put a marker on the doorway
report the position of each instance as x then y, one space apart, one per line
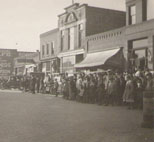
141 58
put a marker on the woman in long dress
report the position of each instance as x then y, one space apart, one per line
128 96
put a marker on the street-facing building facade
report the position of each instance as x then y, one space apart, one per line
27 63
104 50
78 22
84 31
6 62
48 52
140 34
136 39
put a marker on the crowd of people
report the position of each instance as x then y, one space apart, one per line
108 88
31 83
102 88
37 84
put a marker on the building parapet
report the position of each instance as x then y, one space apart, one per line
141 27
107 35
49 32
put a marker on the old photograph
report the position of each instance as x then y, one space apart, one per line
76 70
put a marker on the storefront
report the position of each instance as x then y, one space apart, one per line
139 54
69 59
68 63
30 69
108 59
50 67
140 46
46 67
55 65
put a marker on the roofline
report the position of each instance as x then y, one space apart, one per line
49 32
16 50
7 49
83 5
109 31
107 9
70 6
62 14
25 52
124 11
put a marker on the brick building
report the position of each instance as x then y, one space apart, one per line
140 33
6 62
49 50
104 50
28 61
78 22
136 38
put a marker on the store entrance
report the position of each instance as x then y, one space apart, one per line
141 58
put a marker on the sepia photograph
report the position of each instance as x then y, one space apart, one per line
76 70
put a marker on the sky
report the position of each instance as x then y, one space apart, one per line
22 21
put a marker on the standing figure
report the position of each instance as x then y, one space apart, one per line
56 85
38 84
112 90
92 90
100 90
128 96
33 83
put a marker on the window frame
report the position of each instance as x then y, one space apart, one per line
43 50
80 34
62 39
132 16
47 48
52 48
71 38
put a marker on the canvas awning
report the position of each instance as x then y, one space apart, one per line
30 66
109 57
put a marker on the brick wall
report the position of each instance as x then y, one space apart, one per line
102 20
106 40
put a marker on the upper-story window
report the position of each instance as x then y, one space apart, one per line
150 9
80 34
47 47
62 40
43 50
71 38
52 48
132 14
